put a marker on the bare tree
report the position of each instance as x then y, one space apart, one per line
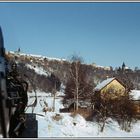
124 77
54 96
121 108
101 110
125 111
56 86
77 84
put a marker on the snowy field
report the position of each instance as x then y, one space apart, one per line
64 127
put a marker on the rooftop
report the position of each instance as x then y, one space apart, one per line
103 83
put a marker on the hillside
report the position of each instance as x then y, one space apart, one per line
41 72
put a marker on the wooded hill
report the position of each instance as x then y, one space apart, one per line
43 73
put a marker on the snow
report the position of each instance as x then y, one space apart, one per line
79 121
103 83
60 93
70 125
38 70
73 126
43 97
37 56
135 94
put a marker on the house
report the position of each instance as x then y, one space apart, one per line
111 87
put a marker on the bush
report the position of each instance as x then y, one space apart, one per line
122 109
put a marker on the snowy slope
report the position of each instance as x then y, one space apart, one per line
48 127
37 56
38 70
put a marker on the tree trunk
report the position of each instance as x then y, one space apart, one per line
77 99
54 94
74 107
54 102
102 127
77 86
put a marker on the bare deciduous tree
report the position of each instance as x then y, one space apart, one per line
122 109
77 85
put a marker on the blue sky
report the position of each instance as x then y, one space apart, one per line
105 33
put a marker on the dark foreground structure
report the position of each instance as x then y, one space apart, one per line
31 127
14 122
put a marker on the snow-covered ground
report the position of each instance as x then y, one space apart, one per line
37 56
136 94
64 125
38 70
